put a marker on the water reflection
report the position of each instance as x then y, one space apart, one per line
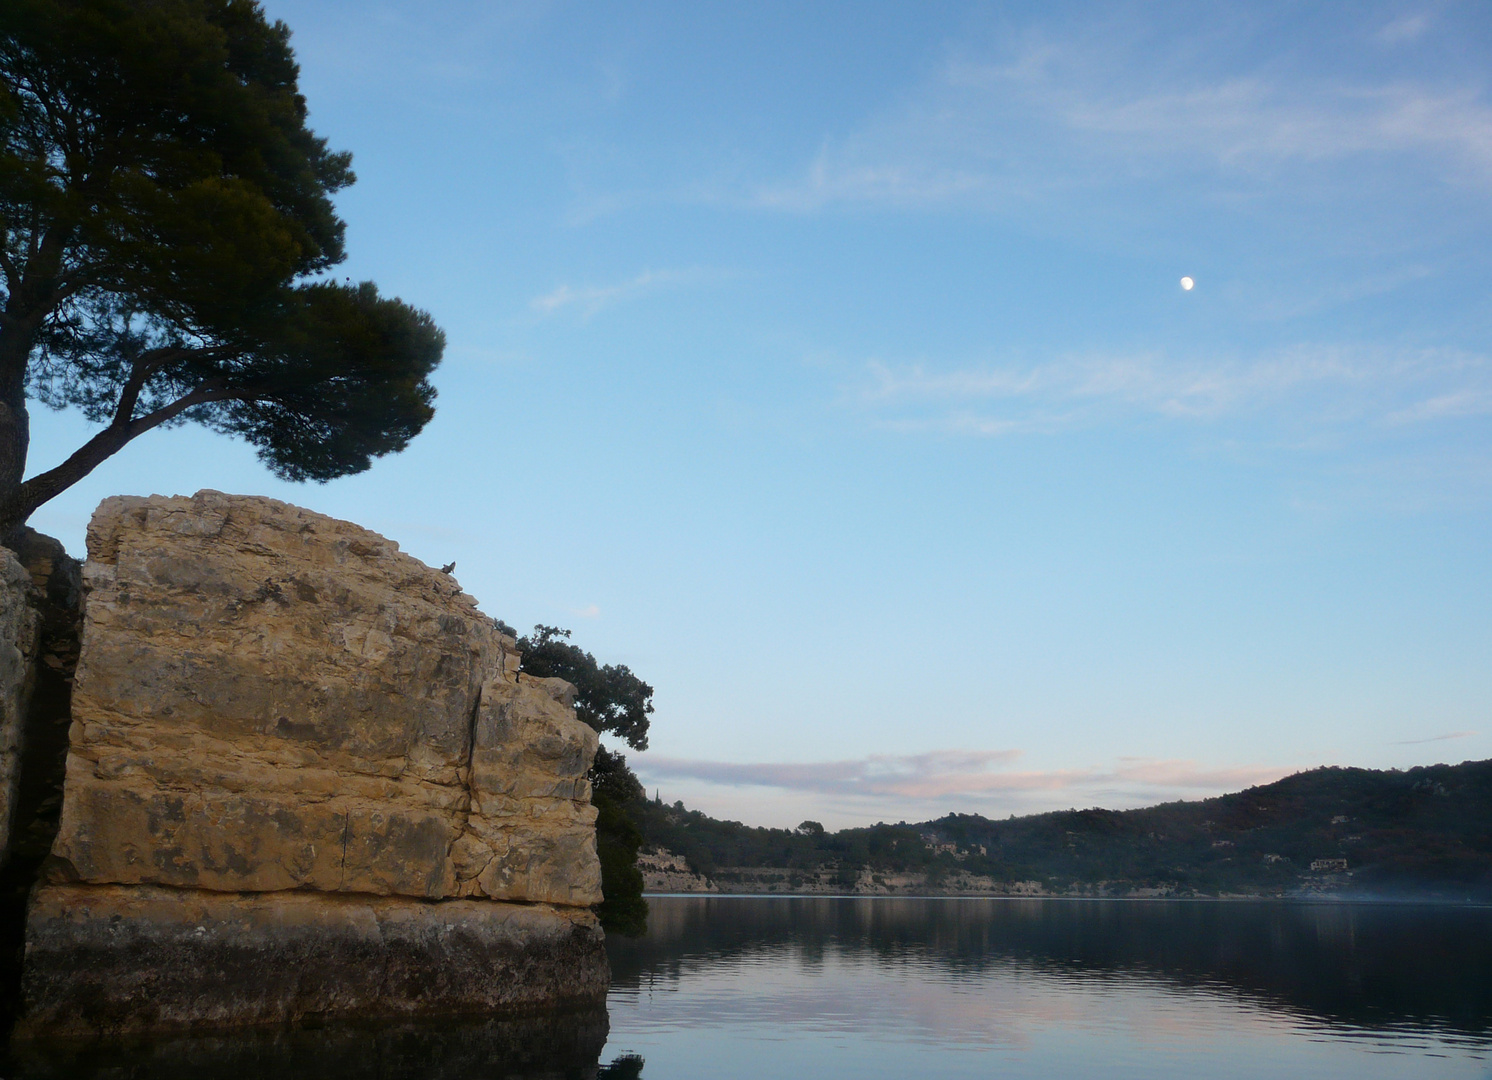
877 987
626 1067
1341 963
563 1047
866 988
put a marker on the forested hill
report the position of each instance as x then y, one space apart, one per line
1425 831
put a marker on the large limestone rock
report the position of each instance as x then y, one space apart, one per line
271 699
268 700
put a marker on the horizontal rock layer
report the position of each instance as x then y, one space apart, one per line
106 960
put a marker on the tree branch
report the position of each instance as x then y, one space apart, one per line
141 370
205 394
7 264
150 362
18 505
66 289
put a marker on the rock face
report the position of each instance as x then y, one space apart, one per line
107 958
39 604
271 700
665 872
20 631
536 1046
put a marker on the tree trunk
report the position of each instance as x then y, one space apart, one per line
33 295
17 503
15 439
15 421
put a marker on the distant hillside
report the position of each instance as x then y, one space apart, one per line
1422 832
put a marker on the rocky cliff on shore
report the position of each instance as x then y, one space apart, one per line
20 634
40 605
304 779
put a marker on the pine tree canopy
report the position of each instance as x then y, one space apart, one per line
166 228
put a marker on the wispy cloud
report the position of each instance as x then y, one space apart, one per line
838 177
1255 121
916 776
1438 738
1059 116
1469 401
590 299
1320 384
1306 298
1406 28
590 611
962 776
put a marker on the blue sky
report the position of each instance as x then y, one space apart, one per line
828 364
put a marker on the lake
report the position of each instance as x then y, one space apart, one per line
891 987
940 988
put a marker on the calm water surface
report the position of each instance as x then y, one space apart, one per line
806 986
862 988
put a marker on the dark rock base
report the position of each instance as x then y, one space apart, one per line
116 959
556 1046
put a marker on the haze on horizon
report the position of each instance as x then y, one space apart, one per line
830 366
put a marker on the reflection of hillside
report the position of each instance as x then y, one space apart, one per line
1367 965
530 1048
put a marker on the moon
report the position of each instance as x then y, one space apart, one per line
1186 284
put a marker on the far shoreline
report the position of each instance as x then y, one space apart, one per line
1406 901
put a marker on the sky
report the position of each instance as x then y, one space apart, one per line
828 365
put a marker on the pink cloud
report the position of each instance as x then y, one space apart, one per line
972 775
1439 738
